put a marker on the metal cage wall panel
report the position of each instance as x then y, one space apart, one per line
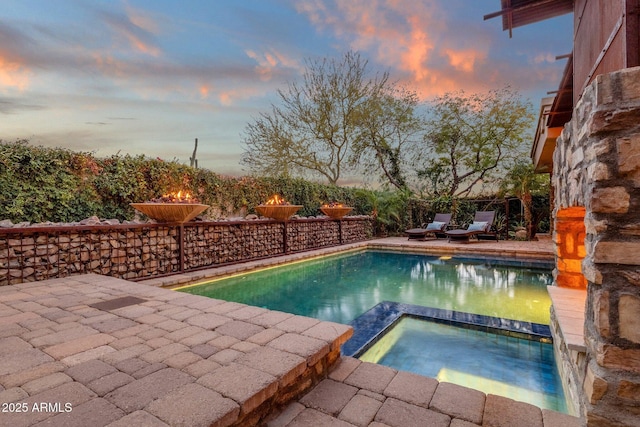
139 251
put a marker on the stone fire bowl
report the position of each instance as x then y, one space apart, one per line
336 212
279 212
170 212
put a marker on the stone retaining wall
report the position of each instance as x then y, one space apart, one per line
138 251
597 166
571 365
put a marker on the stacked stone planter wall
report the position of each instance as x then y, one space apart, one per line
139 251
597 166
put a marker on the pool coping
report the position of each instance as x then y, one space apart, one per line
374 323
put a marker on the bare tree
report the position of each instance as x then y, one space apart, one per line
313 128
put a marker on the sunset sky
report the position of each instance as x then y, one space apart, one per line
149 76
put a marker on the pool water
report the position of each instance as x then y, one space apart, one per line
512 367
341 288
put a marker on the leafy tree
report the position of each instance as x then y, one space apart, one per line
337 116
523 182
470 138
389 126
389 210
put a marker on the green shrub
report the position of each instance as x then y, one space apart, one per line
54 184
40 184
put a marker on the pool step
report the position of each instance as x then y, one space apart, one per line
365 394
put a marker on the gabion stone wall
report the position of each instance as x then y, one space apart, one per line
210 244
306 235
597 166
137 251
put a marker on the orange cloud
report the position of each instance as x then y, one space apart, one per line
109 65
418 47
544 57
228 97
141 19
13 74
142 46
137 28
204 91
464 60
269 61
411 38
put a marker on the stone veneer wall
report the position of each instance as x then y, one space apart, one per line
597 166
137 251
571 362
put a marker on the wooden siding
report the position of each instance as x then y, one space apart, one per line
605 39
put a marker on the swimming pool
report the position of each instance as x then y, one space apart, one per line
372 290
493 363
341 288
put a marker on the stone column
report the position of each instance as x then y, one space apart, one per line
597 165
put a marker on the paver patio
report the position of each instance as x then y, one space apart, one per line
72 355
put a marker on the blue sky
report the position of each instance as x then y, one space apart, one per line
149 76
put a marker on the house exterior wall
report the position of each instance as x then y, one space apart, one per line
597 167
605 39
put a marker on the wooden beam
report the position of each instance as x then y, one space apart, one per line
551 92
632 33
510 9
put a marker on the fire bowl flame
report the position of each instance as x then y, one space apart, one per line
335 210
279 212
277 208
170 212
174 207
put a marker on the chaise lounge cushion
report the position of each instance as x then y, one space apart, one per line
435 226
481 227
477 226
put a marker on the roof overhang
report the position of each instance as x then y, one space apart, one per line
544 142
555 112
516 13
562 108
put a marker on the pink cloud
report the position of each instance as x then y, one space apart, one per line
204 91
270 61
465 59
228 97
13 74
138 29
418 47
413 39
142 46
143 20
544 58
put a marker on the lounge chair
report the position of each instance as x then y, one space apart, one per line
435 228
481 227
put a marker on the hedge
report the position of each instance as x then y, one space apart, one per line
41 184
